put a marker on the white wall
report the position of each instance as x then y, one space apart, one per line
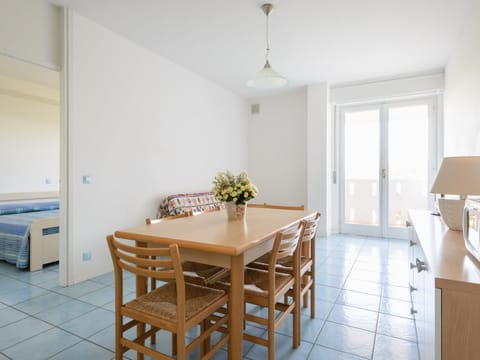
462 91
30 30
142 128
277 149
319 139
29 137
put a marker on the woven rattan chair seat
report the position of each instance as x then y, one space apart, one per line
256 282
161 302
286 262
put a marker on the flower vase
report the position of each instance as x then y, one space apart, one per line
236 211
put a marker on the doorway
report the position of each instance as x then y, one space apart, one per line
387 162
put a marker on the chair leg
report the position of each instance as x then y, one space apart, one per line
118 335
312 298
174 344
271 332
181 355
205 345
305 296
296 314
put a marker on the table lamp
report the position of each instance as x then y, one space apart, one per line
457 176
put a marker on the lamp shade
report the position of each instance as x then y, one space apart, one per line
267 78
458 176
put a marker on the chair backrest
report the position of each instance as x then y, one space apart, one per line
286 243
153 262
162 263
256 205
150 221
311 225
284 207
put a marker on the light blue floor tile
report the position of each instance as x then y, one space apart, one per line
20 295
84 350
367 287
80 289
322 309
9 315
397 327
323 353
395 307
52 284
65 312
326 293
310 328
99 297
111 305
106 279
18 331
355 317
394 349
330 280
8 285
41 303
106 337
366 275
396 292
331 269
90 323
36 277
42 345
283 349
347 339
357 299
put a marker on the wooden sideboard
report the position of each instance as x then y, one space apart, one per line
445 290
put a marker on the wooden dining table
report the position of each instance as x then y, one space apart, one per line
211 238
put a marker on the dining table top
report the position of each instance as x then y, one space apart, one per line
213 232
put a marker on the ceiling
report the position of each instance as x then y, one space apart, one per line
337 41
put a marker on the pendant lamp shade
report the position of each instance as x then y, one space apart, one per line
267 78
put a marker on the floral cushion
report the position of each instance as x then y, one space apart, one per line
180 203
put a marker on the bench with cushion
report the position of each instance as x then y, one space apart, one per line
178 204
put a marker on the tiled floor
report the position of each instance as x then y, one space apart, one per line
362 310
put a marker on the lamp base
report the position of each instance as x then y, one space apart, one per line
451 211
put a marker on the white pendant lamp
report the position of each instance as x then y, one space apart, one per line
267 78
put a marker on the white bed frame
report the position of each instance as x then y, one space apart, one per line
44 249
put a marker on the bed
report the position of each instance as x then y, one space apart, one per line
29 229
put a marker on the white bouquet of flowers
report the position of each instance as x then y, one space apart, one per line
237 189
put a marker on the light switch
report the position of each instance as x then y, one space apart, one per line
87 179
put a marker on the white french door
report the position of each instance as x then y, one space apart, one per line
387 160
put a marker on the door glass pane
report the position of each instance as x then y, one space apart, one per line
408 161
362 149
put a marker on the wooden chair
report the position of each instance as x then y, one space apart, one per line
305 273
267 288
193 272
281 207
176 306
284 207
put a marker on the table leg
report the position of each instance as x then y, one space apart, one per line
236 307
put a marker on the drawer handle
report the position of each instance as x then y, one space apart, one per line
412 243
408 223
420 265
412 289
413 311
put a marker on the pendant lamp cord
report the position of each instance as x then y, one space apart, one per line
267 50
